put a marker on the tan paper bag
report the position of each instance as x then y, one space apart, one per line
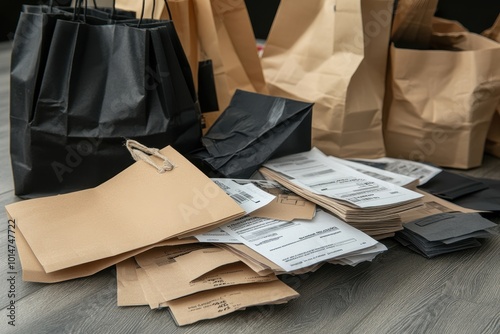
171 277
218 302
226 37
219 30
135 209
333 53
443 100
34 272
493 140
128 287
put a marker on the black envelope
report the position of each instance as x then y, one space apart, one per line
451 186
444 233
81 85
484 200
252 129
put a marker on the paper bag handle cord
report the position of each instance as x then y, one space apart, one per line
142 153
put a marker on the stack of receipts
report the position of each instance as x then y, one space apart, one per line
235 265
300 246
367 203
268 242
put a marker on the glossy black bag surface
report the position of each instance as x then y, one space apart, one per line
253 129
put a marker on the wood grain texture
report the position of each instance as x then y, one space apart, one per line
399 292
6 182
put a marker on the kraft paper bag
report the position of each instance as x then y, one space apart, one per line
34 272
226 37
443 100
333 53
149 202
218 302
128 286
493 139
219 30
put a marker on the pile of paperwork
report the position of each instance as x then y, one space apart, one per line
367 203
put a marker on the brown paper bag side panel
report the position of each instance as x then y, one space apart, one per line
143 205
129 291
215 303
315 55
442 103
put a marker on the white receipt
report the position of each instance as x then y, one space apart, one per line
248 196
300 243
410 168
317 173
217 235
381 174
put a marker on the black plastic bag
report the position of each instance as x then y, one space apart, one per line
78 89
253 129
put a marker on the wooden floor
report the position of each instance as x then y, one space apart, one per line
400 292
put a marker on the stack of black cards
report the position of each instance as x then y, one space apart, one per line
445 232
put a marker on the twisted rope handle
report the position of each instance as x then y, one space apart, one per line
141 152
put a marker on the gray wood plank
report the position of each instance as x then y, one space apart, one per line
6 182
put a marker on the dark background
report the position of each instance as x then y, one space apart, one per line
475 15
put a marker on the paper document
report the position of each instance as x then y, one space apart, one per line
367 254
381 174
410 168
317 173
248 196
286 206
217 236
298 244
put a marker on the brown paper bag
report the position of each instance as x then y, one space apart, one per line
226 37
333 53
128 287
34 272
135 209
218 302
170 273
443 100
493 140
219 30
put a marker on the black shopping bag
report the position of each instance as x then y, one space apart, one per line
207 94
97 81
251 130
